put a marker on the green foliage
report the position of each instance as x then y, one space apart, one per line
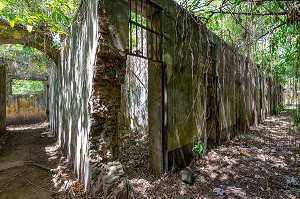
279 109
33 60
272 40
134 30
39 15
23 87
198 148
241 136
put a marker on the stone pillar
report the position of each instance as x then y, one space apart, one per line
155 97
155 116
2 99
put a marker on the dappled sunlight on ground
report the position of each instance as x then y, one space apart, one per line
52 151
33 127
41 172
262 163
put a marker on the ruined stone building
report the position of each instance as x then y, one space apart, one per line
197 87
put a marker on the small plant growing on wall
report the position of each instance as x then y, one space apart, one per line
241 136
198 148
279 109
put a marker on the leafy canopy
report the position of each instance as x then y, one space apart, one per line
27 60
25 87
40 15
267 31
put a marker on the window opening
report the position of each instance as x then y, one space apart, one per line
27 101
145 33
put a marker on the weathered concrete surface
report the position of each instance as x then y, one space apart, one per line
213 92
155 117
134 107
2 98
184 47
71 85
86 94
26 109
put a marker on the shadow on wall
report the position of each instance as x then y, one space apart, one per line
71 90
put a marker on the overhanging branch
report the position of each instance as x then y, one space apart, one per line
261 36
251 14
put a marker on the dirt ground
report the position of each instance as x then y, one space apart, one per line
32 166
261 163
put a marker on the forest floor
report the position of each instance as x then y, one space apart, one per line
261 163
31 165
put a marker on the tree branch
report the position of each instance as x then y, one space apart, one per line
261 36
249 13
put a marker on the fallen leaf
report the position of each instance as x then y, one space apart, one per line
245 154
182 192
12 23
77 186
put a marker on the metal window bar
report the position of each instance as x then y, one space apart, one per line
142 31
145 34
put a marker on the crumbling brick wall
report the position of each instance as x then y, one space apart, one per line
86 94
107 174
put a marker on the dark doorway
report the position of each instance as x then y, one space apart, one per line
144 92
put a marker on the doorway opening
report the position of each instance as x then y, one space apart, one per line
142 122
27 101
24 86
